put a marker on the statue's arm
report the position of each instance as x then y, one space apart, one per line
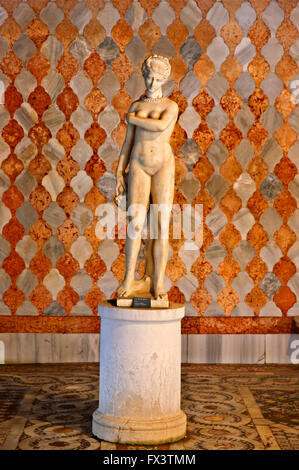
124 159
152 124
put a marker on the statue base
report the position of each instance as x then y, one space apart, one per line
140 375
142 302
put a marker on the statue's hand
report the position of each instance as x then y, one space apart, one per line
120 185
128 117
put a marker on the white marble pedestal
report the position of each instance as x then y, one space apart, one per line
140 376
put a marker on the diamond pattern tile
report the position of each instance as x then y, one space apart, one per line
70 71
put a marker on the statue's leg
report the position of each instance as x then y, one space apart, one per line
138 193
162 191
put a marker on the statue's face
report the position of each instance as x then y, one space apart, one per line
153 81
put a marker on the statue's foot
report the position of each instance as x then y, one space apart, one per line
160 295
125 289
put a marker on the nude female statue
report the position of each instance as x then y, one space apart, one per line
147 151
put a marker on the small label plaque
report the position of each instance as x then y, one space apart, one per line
141 302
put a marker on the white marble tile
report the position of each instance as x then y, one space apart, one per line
226 349
282 348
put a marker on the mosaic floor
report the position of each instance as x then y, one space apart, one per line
49 407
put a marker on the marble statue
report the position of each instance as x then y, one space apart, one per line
150 179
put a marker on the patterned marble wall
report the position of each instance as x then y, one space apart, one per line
70 70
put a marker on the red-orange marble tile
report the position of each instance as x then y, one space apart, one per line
203 197
91 236
67 101
228 269
257 136
231 102
177 33
40 297
38 5
67 298
203 169
121 102
13 265
13 198
123 68
258 69
68 266
204 69
177 5
285 136
93 297
232 5
259 34
67 66
175 268
180 100
285 103
12 166
39 100
94 32
201 269
40 232
67 233
95 67
13 298
39 66
286 69
284 299
149 33
95 136
149 5
284 238
95 102
95 168
284 269
201 300
257 269
11 65
231 170
178 68
10 31
257 169
13 231
227 299
257 237
12 133
285 170
287 34
68 200
285 205
203 136
67 5
232 34
230 237
68 136
122 5
177 139
39 167
38 32
66 32
40 199
204 33
40 265
231 136
39 134
231 69
10 5
256 299
122 33
13 99
203 103
287 5
94 197
95 267
257 204
67 168
205 6
118 267
230 204
258 102
118 134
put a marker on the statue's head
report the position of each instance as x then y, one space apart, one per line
155 70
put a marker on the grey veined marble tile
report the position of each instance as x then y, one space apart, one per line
81 250
82 85
108 16
245 85
164 47
217 86
109 85
246 16
217 52
271 119
294 188
270 284
244 119
243 221
5 215
190 51
108 284
245 52
190 186
81 309
191 15
53 249
216 221
189 120
135 16
271 187
190 86
54 215
81 152
25 82
107 184
218 16
243 253
270 253
216 187
80 16
214 284
244 187
24 48
52 15
109 119
54 282
26 116
136 51
5 281
242 284
272 51
5 248
27 282
272 86
80 50
82 217
108 50
27 249
273 15
27 215
23 15
163 16
53 118
25 182
271 153
52 49
271 221
217 120
215 254
217 154
54 309
190 153
81 283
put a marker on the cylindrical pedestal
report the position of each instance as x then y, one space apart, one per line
140 376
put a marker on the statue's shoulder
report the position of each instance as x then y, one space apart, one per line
173 105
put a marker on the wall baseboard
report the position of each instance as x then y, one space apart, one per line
31 348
